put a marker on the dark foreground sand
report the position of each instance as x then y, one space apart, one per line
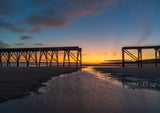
19 82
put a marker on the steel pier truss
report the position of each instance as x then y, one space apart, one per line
138 58
51 55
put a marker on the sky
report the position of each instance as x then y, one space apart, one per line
100 27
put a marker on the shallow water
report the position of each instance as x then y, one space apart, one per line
86 91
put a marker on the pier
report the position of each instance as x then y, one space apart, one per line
138 58
51 55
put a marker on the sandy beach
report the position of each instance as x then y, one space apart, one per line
19 82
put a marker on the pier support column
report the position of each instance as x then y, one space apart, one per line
64 58
52 55
159 54
0 59
78 52
57 58
27 55
46 56
66 52
81 57
27 63
68 57
8 59
17 55
123 63
139 57
35 55
40 57
156 57
17 63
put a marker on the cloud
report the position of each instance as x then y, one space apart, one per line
14 27
36 30
59 14
81 8
25 37
3 44
39 44
11 27
47 21
19 44
47 13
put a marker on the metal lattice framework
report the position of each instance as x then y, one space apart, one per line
138 58
35 54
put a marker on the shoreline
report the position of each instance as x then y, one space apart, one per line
19 82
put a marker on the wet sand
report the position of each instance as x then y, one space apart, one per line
19 82
86 91
147 71
147 77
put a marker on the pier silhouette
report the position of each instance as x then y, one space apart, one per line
36 54
138 58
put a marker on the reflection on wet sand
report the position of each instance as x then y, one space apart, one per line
86 91
135 78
